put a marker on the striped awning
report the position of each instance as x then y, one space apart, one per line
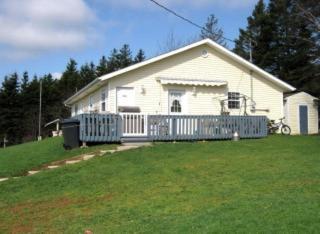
193 82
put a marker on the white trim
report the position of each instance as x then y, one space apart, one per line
90 103
105 91
208 42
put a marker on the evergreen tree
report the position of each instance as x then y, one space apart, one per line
25 81
10 110
285 44
69 84
125 56
140 56
31 109
213 31
256 37
88 73
102 68
70 80
114 61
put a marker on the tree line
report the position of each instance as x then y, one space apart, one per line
282 38
19 96
285 40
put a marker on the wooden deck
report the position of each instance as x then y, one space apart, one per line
115 127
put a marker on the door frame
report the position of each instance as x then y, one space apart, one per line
307 117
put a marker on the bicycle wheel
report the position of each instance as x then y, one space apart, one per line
286 130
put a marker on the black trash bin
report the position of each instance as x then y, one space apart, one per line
70 130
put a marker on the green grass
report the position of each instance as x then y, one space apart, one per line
17 160
270 185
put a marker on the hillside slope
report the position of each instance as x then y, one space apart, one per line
250 186
17 160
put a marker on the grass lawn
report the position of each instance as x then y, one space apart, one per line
17 160
267 185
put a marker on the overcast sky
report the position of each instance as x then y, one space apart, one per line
41 35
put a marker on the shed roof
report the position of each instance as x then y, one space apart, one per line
288 95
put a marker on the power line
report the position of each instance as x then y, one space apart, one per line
187 20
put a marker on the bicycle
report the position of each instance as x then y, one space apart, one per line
273 127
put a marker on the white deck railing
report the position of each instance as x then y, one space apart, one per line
134 124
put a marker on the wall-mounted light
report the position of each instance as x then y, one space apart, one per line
142 89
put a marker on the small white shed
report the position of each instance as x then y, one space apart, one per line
301 112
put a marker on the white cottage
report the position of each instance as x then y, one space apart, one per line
203 78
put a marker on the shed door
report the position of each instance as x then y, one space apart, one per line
303 115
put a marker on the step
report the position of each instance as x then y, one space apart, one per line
33 172
135 139
87 157
138 144
73 161
104 152
126 147
3 179
53 167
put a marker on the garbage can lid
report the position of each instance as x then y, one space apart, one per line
67 121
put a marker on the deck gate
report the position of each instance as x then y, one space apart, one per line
134 124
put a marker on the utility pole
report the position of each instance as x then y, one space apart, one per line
4 142
40 110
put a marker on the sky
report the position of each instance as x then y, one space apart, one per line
40 36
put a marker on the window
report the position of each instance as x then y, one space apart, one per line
103 102
76 109
176 106
233 100
80 108
91 103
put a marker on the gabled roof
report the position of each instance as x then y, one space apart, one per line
287 95
100 80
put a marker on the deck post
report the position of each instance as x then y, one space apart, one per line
174 127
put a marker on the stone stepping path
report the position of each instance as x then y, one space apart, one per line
81 158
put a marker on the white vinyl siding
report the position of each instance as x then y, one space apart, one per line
202 100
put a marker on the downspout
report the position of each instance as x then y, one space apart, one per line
252 102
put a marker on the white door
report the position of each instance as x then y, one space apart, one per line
125 97
177 102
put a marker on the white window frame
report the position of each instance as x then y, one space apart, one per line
76 109
183 102
234 100
90 104
105 100
80 108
